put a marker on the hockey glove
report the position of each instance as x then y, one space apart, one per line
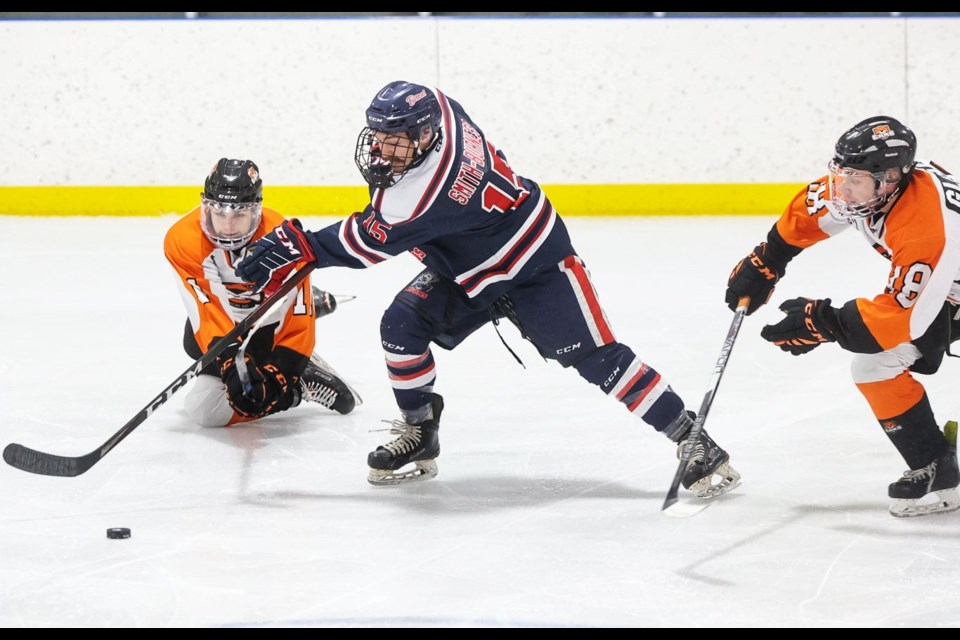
268 385
272 257
754 276
809 323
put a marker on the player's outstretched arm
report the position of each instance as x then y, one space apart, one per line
275 255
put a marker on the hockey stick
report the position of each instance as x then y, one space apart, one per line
328 305
48 464
694 434
240 360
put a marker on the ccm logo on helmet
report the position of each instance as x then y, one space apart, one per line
282 237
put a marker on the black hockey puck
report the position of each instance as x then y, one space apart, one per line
118 533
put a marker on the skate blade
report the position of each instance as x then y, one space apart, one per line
341 298
947 500
424 470
729 480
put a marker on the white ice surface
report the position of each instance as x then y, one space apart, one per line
546 511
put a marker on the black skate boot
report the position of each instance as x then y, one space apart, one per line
417 443
940 477
322 385
325 303
706 460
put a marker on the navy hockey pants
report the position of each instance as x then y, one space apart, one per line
557 310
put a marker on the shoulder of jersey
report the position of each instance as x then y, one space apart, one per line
186 236
920 201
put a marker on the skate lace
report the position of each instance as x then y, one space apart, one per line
696 455
923 474
409 437
318 392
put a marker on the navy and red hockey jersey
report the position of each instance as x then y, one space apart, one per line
463 212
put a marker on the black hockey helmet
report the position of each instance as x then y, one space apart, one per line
398 108
230 206
880 146
877 144
234 182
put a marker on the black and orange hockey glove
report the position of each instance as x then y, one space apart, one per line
755 276
809 323
268 384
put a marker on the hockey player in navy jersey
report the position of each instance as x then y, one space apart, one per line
493 247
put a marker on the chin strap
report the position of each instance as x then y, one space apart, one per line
421 154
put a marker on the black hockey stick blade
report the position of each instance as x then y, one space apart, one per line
670 502
27 459
48 464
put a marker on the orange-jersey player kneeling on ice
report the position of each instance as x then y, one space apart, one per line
909 212
282 371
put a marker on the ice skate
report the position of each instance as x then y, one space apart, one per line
708 463
325 303
939 478
321 384
417 444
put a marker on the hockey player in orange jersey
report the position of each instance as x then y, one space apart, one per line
203 247
908 211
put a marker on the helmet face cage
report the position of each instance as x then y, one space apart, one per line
873 162
230 226
399 108
855 193
368 155
230 205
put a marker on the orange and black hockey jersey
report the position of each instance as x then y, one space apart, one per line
216 299
920 236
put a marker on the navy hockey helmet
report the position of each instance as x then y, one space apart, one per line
398 108
404 107
873 162
230 206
